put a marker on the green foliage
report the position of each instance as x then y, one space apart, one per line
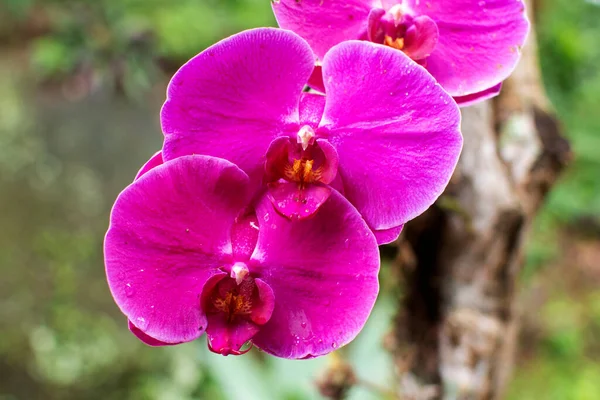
125 41
567 35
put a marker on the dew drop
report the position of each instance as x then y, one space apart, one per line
303 324
129 291
334 345
141 323
266 217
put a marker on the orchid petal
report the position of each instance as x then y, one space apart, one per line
387 236
244 234
479 41
323 272
315 81
234 98
396 132
149 340
311 109
465 101
154 161
169 232
421 38
324 23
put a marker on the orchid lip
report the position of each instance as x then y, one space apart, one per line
236 306
298 176
401 29
224 351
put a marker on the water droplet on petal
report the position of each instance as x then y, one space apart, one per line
141 323
303 324
129 291
334 345
266 217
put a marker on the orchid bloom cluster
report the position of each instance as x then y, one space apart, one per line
258 222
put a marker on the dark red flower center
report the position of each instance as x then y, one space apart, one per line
236 306
298 172
397 28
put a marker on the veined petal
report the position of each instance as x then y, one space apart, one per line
149 340
154 161
324 23
311 109
479 43
388 235
470 99
234 98
169 232
421 38
316 80
397 133
323 272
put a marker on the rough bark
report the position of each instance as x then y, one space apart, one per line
456 333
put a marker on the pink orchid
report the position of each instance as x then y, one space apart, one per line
469 46
386 135
185 255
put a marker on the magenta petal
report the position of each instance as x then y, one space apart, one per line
465 101
388 235
294 202
228 338
387 4
263 309
375 32
169 231
395 130
149 340
244 234
479 43
323 23
234 98
154 161
331 161
311 108
316 80
323 272
421 38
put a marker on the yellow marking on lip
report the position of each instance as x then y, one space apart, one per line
397 44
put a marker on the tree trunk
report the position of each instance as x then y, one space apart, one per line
457 331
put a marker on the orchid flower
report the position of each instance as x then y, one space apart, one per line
185 255
469 46
386 135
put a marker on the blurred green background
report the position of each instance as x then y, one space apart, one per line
81 83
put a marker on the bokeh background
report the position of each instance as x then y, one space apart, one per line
81 84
